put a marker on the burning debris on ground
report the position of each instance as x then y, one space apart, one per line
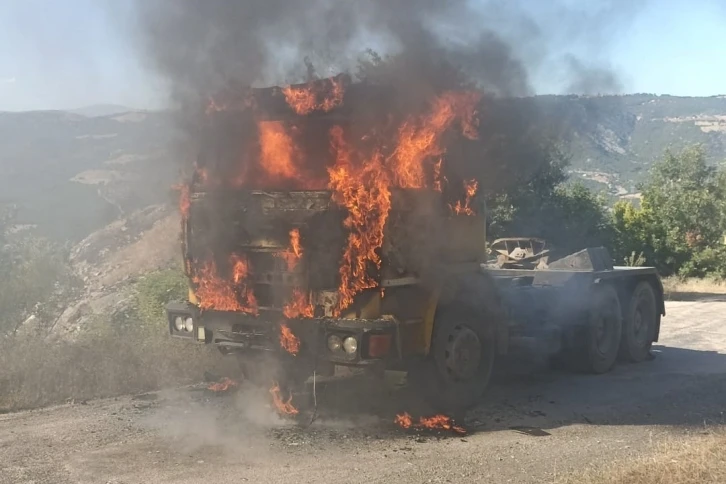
284 407
433 423
223 385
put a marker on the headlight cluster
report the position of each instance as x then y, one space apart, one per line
336 344
181 324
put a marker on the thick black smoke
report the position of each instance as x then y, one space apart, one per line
199 46
499 46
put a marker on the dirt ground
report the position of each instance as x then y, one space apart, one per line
535 425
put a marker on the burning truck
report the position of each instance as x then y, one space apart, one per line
323 230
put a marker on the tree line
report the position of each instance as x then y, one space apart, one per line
678 224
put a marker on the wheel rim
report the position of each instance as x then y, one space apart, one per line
462 353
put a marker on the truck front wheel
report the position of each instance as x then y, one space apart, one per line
639 323
459 366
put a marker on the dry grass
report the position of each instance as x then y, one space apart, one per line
690 460
679 288
103 362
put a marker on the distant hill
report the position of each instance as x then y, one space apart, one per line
72 173
614 139
101 110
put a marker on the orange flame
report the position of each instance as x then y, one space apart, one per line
443 422
440 422
278 152
223 385
365 192
220 294
304 99
419 139
185 201
295 243
293 255
404 420
239 269
470 188
288 340
285 407
364 189
299 306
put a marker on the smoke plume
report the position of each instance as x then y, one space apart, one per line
416 49
199 48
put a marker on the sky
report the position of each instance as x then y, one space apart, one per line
66 54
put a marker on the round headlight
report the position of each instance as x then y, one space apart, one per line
350 345
178 323
334 343
189 325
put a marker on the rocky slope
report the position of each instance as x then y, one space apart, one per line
614 139
110 259
70 174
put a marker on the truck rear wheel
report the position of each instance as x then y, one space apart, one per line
459 366
603 331
639 324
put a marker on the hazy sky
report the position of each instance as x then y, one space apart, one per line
57 54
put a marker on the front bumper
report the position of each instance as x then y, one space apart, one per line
377 340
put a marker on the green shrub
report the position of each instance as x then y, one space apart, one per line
107 359
35 280
154 290
679 225
128 352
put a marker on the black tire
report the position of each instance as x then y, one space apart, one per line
639 324
603 331
460 364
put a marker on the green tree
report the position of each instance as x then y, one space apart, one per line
153 291
680 224
567 215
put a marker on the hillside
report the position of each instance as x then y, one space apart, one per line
96 110
71 174
614 139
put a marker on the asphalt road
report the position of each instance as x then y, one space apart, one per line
534 425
